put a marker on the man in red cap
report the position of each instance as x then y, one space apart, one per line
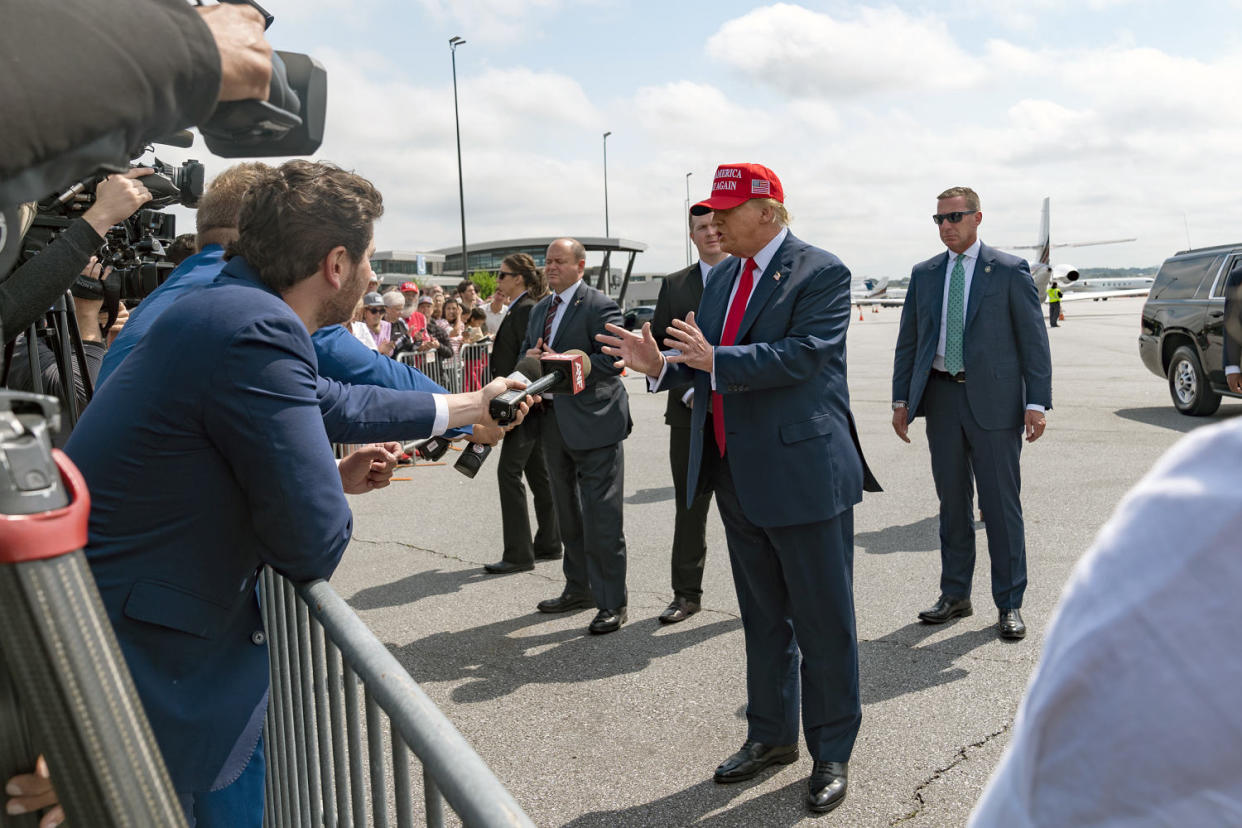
766 355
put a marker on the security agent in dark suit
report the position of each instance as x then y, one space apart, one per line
767 348
521 452
972 356
680 294
582 436
1232 329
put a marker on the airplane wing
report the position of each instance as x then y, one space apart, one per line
1068 244
1079 295
884 303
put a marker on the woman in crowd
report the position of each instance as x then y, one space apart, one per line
455 325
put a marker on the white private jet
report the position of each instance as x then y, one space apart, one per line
876 292
1073 286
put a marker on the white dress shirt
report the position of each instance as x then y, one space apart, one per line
567 296
1132 717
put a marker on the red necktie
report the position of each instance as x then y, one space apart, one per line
733 321
551 317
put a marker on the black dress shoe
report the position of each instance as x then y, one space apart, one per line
506 568
679 610
945 609
547 556
1011 625
752 758
607 621
828 783
565 602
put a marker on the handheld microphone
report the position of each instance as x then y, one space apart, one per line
561 373
432 448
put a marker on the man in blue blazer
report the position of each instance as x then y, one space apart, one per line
207 456
766 354
582 438
972 357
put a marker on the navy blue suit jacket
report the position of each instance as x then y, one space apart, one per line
792 447
1004 347
206 457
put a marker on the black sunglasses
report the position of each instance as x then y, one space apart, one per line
375 310
952 218
500 274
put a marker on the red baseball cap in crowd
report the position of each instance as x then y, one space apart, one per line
408 287
738 183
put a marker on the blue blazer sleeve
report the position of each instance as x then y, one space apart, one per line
1027 318
907 343
268 377
346 360
818 326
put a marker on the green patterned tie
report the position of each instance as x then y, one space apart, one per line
956 318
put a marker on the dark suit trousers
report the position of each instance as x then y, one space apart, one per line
795 589
1054 313
690 524
963 453
520 453
587 487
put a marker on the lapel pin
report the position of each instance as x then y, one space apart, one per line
987 268
777 276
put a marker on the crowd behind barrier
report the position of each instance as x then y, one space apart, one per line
318 770
466 370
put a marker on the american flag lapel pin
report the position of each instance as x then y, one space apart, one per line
776 276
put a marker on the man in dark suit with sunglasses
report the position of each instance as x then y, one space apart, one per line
972 357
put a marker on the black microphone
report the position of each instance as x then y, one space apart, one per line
431 448
562 373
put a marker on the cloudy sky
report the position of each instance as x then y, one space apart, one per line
1122 111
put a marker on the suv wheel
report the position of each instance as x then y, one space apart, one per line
1188 384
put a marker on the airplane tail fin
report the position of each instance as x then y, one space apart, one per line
1044 245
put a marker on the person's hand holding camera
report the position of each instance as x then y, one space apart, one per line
117 198
87 309
245 56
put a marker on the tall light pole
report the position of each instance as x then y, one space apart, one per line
606 134
687 215
454 42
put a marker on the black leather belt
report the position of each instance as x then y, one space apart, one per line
960 376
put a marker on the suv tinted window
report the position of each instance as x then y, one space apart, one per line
1180 278
1234 264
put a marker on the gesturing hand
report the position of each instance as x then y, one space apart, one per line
687 337
539 350
370 467
633 349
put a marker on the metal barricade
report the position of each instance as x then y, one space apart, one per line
447 372
318 772
474 363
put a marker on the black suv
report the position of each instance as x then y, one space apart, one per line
1182 335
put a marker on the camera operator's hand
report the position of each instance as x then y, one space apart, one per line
87 310
117 198
370 467
29 792
245 56
122 316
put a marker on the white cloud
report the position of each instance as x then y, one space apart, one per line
810 54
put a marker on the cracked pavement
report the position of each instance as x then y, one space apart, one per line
626 729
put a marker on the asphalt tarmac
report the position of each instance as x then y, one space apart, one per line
626 729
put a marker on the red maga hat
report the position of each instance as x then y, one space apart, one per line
409 287
738 183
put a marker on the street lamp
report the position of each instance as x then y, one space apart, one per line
454 42
606 134
687 215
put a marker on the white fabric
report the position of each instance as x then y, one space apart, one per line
1132 716
442 413
493 318
363 334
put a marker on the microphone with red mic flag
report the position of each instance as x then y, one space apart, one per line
556 373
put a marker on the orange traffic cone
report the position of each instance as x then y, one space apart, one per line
860 313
